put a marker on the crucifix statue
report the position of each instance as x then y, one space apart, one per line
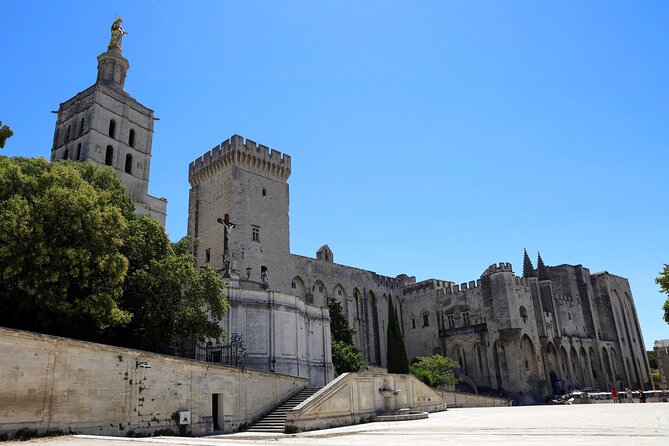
227 258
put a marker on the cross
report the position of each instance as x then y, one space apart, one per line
227 226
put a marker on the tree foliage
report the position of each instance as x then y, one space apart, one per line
397 354
435 371
61 269
663 281
5 133
171 300
339 328
76 262
345 356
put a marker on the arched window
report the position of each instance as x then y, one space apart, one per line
65 153
131 138
109 155
78 158
128 163
81 126
426 319
112 128
523 313
67 133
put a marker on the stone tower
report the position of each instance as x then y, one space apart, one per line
105 125
238 208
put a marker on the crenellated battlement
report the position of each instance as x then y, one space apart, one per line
501 268
426 286
236 150
525 281
456 289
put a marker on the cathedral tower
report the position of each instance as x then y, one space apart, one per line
238 208
105 125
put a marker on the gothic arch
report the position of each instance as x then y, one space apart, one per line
320 293
458 355
298 288
358 303
339 293
501 368
529 356
375 327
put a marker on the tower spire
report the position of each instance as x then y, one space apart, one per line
541 268
528 268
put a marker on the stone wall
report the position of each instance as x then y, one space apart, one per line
281 333
462 399
51 383
355 398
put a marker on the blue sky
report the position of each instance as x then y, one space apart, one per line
427 138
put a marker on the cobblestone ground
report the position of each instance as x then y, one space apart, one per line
588 424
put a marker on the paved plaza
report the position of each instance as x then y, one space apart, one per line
588 424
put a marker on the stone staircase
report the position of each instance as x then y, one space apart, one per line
275 421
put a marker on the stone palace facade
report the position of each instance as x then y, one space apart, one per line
530 337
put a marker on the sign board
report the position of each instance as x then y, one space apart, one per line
184 417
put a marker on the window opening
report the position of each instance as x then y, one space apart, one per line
255 234
128 163
112 128
131 138
109 155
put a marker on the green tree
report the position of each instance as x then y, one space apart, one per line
5 133
61 269
435 371
339 328
663 281
171 300
345 356
652 358
397 354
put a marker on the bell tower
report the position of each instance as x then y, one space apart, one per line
105 125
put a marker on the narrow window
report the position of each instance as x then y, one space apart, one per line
65 153
109 155
78 158
255 235
292 284
523 313
207 255
112 128
451 320
81 126
339 292
320 288
128 163
426 319
413 322
264 192
67 133
131 138
569 316
465 319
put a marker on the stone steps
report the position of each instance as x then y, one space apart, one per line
275 421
